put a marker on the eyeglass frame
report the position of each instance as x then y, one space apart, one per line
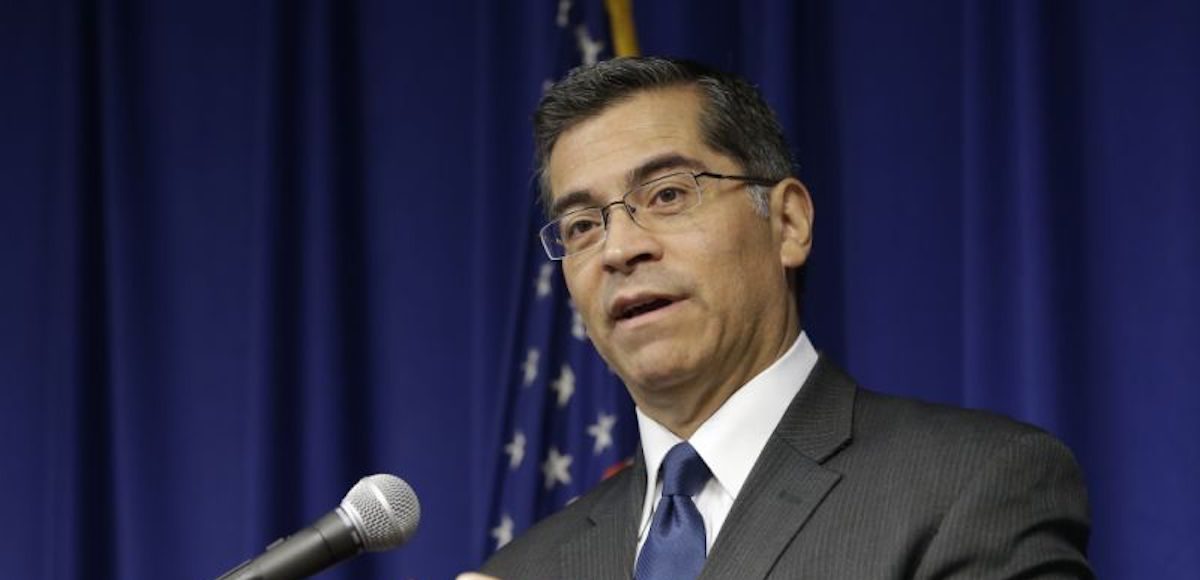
631 210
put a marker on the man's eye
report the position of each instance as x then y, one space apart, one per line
669 196
578 227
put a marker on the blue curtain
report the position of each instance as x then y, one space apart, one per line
253 251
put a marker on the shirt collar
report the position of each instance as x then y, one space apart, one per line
731 440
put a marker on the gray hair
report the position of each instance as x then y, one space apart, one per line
735 120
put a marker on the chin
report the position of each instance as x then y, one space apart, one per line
650 373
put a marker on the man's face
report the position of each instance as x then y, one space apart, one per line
691 309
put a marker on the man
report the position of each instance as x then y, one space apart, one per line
680 230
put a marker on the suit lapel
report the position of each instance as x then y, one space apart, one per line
611 540
788 481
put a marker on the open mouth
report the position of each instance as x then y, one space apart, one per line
635 310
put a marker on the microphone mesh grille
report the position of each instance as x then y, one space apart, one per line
384 510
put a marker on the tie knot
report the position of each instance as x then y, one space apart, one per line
683 471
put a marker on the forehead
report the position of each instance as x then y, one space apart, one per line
600 153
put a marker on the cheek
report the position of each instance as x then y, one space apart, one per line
737 268
583 295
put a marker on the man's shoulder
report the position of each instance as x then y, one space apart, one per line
877 424
904 419
919 441
973 491
536 551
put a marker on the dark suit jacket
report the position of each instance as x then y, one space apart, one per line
854 484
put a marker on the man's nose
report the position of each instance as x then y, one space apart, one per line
627 243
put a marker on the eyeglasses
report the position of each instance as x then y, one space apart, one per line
653 205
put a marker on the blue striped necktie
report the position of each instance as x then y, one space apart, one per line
674 549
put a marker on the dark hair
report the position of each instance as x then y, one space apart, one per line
735 120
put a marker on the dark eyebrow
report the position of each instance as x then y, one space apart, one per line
636 176
582 197
644 172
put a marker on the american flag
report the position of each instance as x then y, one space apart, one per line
568 421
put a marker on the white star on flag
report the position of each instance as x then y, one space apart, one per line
515 450
564 10
590 49
556 469
564 385
530 366
503 533
601 431
543 281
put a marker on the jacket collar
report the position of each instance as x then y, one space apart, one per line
611 541
788 481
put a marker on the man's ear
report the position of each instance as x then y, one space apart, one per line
792 217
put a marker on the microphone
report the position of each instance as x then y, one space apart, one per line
379 513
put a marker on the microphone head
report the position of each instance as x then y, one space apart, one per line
383 510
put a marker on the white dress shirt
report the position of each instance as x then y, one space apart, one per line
730 441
